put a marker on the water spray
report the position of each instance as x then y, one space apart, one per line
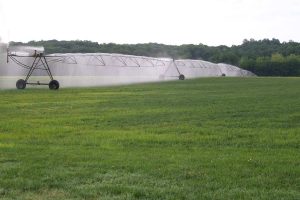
95 69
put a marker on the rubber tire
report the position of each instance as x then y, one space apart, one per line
21 84
181 77
54 85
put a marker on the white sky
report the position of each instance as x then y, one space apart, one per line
211 22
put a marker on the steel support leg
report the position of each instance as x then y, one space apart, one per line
33 66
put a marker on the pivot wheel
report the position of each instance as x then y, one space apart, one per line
21 84
54 85
181 77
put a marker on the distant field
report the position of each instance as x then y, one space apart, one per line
209 138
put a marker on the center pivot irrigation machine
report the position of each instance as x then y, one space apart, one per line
39 63
34 58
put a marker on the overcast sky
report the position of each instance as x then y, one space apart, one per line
211 22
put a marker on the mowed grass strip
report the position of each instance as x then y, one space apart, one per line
209 138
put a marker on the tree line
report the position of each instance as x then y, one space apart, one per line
263 57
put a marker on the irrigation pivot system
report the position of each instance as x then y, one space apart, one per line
34 60
39 63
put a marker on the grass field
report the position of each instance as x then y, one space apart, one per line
210 138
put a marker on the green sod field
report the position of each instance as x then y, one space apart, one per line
209 138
